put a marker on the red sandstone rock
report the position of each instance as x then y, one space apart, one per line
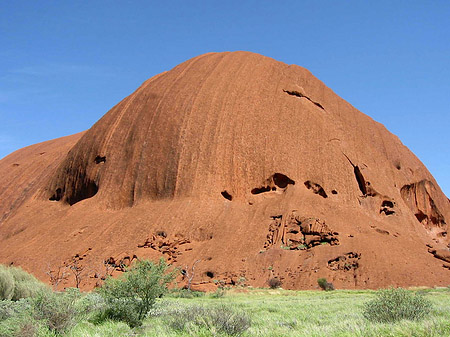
226 154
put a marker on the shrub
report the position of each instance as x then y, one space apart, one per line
90 303
18 326
164 308
16 319
274 283
395 304
219 293
46 311
220 319
57 310
118 310
6 284
15 283
26 328
10 309
27 288
130 297
325 285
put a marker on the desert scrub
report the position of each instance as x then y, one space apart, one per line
214 319
274 283
58 311
130 297
16 319
6 284
395 304
325 285
15 283
29 306
280 313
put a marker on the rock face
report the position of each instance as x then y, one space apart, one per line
236 168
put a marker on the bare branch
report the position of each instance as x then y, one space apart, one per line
57 275
190 274
78 271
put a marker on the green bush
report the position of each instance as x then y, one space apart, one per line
10 309
118 310
15 283
218 319
48 311
29 306
26 285
89 304
16 319
130 297
274 283
56 310
325 285
395 304
19 326
6 284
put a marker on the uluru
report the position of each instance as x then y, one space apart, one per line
236 168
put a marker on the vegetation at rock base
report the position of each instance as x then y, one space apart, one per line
130 297
325 285
242 311
217 318
395 304
15 283
46 312
274 283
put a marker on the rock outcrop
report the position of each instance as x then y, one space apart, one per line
236 168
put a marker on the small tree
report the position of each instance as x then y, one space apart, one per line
78 270
130 297
325 285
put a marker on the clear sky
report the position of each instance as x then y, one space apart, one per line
63 64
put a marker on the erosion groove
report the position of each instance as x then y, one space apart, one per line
300 95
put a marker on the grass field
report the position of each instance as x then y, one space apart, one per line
278 313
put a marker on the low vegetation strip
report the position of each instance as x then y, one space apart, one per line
118 310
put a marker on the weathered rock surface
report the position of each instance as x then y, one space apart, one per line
243 166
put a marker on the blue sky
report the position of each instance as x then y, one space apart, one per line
63 64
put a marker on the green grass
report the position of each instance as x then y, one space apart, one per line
277 313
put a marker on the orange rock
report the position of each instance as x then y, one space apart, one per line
204 287
214 151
